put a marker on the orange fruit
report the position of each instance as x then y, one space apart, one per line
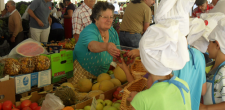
68 108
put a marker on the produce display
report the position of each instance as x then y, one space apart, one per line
124 55
67 95
11 66
66 44
27 65
41 63
25 49
25 105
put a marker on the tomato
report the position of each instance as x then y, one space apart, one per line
25 103
7 105
0 106
19 107
15 109
33 106
26 108
14 106
38 108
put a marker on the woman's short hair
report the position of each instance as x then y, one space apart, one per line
61 5
98 8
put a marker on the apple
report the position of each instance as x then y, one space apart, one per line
99 106
100 101
107 103
117 105
118 101
106 107
115 94
112 108
114 100
119 89
87 107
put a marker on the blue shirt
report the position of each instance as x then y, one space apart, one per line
42 10
95 63
56 26
194 74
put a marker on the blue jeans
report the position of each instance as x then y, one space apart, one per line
116 12
130 40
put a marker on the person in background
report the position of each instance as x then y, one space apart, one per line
81 17
40 19
117 8
54 11
136 20
4 13
57 30
75 4
126 4
96 46
121 7
194 71
214 2
68 18
81 2
164 91
62 8
214 98
15 25
203 7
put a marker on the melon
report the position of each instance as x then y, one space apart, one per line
41 63
103 76
116 82
106 85
67 84
30 49
11 66
67 96
27 65
84 85
95 86
95 93
119 74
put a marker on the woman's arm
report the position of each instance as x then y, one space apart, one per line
204 89
97 47
220 106
70 14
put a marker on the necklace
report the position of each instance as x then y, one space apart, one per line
103 37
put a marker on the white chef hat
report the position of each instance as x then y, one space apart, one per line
175 9
194 38
163 48
218 34
220 7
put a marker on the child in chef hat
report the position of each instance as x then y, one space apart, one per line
216 70
163 49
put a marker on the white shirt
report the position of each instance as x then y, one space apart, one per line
117 7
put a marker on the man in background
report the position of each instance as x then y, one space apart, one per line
81 17
15 25
117 7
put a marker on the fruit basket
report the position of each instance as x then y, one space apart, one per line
137 69
124 54
137 86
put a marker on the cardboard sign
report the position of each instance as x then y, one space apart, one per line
44 78
7 90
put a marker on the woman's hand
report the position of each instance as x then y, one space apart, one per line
112 50
134 53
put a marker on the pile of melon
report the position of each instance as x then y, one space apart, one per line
85 89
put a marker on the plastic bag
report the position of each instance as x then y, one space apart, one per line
2 69
52 102
27 65
11 66
41 63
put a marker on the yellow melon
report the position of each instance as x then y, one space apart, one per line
119 74
95 93
67 84
84 85
116 82
95 86
106 85
103 76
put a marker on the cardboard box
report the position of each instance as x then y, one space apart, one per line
7 90
107 95
61 65
24 82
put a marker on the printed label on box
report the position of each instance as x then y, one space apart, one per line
34 79
23 83
44 78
